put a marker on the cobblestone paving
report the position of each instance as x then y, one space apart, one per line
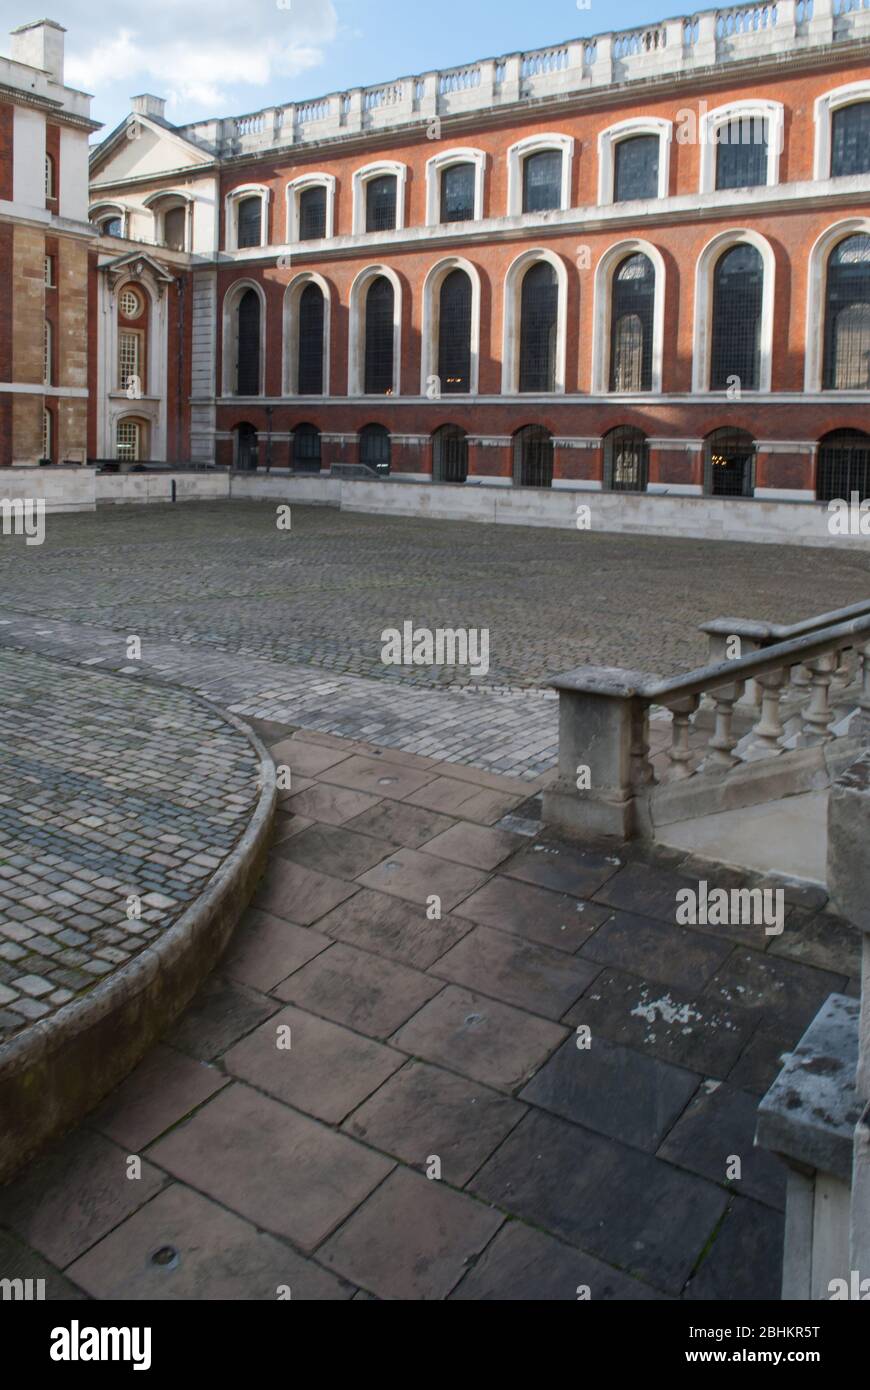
108 789
265 1167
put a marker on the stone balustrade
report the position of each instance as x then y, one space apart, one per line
680 45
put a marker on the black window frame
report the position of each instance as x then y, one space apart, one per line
619 442
632 313
383 218
450 173
539 329
379 338
629 163
245 235
850 139
455 301
311 325
535 198
311 212
846 289
749 157
736 313
533 457
450 454
248 347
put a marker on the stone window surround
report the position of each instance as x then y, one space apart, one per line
362 177
357 328
824 108
604 272
816 299
290 333
445 160
231 214
512 315
702 332
429 344
166 200
101 212
624 130
294 190
537 144
229 338
771 111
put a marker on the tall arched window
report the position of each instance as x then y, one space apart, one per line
850 139
631 326
248 340
847 316
533 457
626 460
306 449
311 326
374 448
449 455
539 317
738 288
380 309
843 465
454 333
729 464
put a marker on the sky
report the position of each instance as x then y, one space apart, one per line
228 57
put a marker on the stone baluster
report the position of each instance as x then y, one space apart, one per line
764 740
680 753
720 749
817 712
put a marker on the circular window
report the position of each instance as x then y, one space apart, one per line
130 304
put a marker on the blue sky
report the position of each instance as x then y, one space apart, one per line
225 57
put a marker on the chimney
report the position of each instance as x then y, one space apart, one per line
148 105
40 45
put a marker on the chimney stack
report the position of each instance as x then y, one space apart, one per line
148 105
40 45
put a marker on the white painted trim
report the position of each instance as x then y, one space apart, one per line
824 108
229 338
166 200
290 332
292 194
711 121
357 330
231 214
429 365
703 323
510 371
676 489
485 480
817 279
604 272
577 484
362 177
536 144
29 388
625 130
784 494
434 169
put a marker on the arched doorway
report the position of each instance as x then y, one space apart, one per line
374 448
449 455
729 464
533 457
306 449
843 465
247 448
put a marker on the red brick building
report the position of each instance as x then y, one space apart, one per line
637 261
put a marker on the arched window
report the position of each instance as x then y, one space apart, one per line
449 455
306 449
374 448
741 152
539 316
542 181
112 226
312 213
379 338
636 172
738 288
247 447
381 203
175 228
454 333
311 326
850 139
249 215
626 460
729 464
631 325
847 316
843 465
248 340
533 457
458 183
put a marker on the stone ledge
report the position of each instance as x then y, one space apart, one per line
54 1072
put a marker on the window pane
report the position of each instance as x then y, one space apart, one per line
374 447
533 457
844 465
730 463
542 181
379 338
111 227
631 327
741 155
850 140
381 204
450 455
127 440
312 214
174 227
738 286
250 222
306 448
847 317
538 327
457 193
128 359
454 333
626 460
248 375
636 172
311 318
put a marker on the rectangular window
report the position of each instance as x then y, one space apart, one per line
850 140
46 434
457 193
50 281
312 214
381 204
49 176
129 358
46 354
542 181
127 441
250 222
741 156
636 171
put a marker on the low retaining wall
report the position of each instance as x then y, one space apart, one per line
134 489
61 489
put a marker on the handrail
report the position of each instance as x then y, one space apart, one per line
760 631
